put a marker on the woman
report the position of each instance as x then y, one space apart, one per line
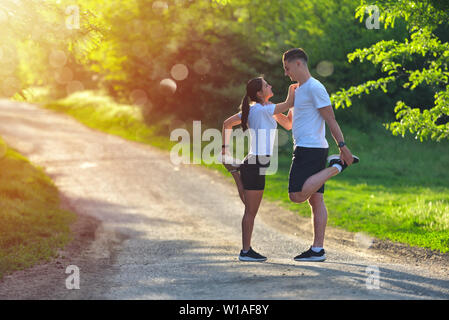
260 116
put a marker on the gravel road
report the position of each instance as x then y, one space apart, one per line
148 229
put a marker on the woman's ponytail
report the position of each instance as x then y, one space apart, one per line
252 87
244 107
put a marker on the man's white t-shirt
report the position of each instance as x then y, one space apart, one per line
262 128
309 127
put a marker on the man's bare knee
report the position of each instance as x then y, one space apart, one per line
297 197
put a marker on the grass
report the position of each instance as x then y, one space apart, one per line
32 225
399 191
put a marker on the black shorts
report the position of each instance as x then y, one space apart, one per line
252 172
305 163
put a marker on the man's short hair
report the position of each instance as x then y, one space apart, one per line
295 53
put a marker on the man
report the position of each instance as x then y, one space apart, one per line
308 173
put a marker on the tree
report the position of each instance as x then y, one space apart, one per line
420 60
40 45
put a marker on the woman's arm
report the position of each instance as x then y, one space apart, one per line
227 129
288 103
284 120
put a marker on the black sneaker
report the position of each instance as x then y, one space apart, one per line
335 159
251 255
311 255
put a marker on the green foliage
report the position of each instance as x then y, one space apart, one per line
41 46
421 60
417 13
223 45
130 47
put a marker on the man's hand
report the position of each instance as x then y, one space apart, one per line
346 156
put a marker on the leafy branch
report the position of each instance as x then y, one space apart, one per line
394 59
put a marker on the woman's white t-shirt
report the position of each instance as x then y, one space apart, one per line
262 129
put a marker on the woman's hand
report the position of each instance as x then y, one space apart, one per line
289 102
292 88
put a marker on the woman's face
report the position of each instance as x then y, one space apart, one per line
266 92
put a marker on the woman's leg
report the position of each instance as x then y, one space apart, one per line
252 203
239 183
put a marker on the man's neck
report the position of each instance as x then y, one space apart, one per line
303 77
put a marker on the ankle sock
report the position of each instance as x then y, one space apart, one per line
339 167
317 249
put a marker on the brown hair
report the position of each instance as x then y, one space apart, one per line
252 87
295 53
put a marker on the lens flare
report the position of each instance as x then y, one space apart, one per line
168 86
202 66
138 97
57 58
63 75
325 68
179 72
74 86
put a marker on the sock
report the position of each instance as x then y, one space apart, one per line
245 251
337 166
317 249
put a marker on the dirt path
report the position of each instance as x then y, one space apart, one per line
151 230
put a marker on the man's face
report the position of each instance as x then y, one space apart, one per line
291 69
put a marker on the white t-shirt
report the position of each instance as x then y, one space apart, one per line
309 127
262 129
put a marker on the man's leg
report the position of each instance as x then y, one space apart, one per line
312 184
319 216
319 220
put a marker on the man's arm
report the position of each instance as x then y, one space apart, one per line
284 120
328 114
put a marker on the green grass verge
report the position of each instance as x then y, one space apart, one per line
399 191
32 224
403 196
